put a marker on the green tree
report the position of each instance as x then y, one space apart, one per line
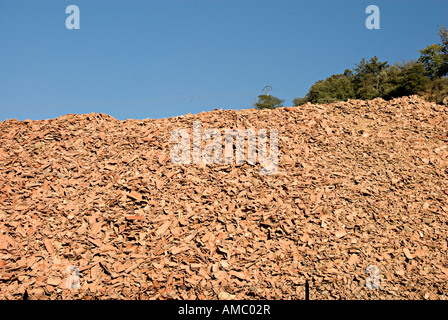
266 101
334 88
405 79
338 87
436 91
374 78
369 78
298 101
435 56
433 59
443 34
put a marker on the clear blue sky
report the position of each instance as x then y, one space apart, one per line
154 59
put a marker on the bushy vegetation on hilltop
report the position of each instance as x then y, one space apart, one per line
266 101
373 78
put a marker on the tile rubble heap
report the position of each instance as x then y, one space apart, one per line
359 183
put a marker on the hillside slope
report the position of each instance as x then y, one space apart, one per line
359 183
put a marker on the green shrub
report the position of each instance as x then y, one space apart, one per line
405 79
299 101
436 90
373 78
266 101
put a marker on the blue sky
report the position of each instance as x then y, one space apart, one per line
154 59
